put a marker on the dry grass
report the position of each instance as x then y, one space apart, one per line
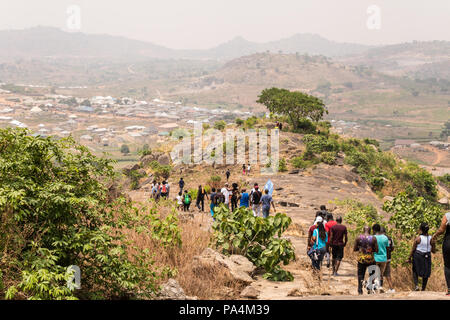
208 283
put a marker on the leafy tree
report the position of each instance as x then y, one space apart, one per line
446 130
56 212
259 239
125 149
297 106
220 125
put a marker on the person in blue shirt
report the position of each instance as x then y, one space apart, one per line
244 197
381 255
319 241
266 201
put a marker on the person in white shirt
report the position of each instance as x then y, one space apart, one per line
179 201
226 193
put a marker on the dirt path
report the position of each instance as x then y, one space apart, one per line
299 195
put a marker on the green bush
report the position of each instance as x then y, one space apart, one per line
409 210
259 239
445 179
160 171
56 212
220 125
282 167
328 157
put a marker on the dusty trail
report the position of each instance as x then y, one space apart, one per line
299 195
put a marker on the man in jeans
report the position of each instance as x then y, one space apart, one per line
338 241
266 201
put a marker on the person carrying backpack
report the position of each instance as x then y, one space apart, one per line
228 174
163 189
255 201
186 200
181 184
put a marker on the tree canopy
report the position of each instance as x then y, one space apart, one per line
56 211
295 105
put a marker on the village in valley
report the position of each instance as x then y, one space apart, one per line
105 123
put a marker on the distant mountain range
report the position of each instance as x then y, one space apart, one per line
52 42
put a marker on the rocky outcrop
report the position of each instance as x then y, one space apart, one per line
239 267
171 290
250 292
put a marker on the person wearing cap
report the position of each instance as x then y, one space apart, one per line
319 240
311 230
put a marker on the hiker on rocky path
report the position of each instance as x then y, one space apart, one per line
255 201
180 201
420 257
186 200
181 184
381 254
212 198
244 198
311 230
201 194
365 245
164 190
319 245
243 169
228 174
330 223
324 212
338 241
226 193
445 227
157 191
234 196
248 168
387 270
266 201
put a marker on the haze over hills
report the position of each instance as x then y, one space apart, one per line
47 41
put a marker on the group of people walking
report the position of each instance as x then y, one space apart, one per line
374 251
234 198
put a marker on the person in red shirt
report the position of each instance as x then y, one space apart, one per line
338 241
330 223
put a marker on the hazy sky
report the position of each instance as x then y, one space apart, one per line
199 24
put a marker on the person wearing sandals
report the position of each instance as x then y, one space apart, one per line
420 257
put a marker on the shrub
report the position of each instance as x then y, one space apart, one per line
160 171
124 149
220 125
57 212
239 122
259 239
214 181
445 179
409 211
282 167
328 157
